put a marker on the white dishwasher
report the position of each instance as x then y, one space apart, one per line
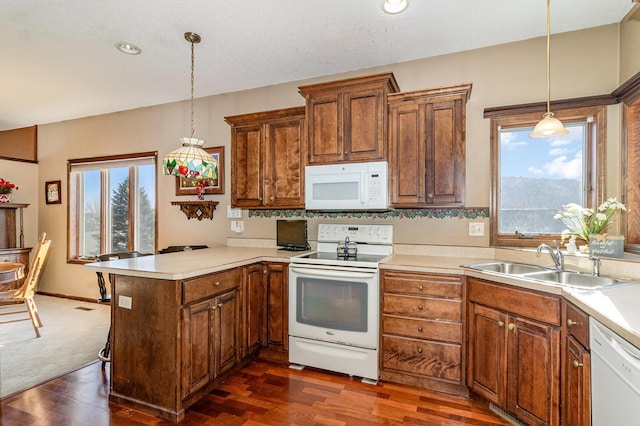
615 378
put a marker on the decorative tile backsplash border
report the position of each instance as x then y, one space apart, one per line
470 213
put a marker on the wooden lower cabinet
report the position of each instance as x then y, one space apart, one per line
576 377
211 344
422 335
514 350
254 303
177 341
276 326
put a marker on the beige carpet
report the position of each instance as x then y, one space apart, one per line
72 334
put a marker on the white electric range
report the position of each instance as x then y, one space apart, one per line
334 300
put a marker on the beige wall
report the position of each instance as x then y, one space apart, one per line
501 75
630 44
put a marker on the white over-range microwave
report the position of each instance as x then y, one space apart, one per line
349 186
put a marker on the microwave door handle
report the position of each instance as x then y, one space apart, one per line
363 188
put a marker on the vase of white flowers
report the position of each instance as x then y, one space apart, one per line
584 222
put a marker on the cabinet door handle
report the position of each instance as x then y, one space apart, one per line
500 323
577 364
420 288
216 283
570 322
511 327
220 305
419 350
420 307
430 195
420 328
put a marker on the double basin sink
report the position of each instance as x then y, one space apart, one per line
545 275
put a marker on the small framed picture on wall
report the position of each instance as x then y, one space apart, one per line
215 185
52 192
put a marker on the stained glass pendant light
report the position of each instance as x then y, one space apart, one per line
190 160
549 126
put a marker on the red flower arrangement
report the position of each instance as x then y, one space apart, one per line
6 187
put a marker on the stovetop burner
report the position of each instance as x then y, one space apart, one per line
325 255
350 246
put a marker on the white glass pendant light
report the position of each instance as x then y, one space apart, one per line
549 126
394 6
190 160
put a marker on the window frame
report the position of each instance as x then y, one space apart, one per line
74 201
594 157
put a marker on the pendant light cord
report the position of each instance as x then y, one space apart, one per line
192 82
548 56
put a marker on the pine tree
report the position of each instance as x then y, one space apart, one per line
146 224
120 218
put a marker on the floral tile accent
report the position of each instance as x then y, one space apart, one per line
460 213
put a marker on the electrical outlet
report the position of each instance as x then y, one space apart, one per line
233 213
476 229
124 301
237 226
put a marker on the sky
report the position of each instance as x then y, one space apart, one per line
557 158
117 175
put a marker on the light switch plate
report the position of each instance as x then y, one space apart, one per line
476 229
233 213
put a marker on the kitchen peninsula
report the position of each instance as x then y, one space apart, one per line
181 322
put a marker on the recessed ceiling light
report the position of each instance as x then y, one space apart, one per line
394 6
128 48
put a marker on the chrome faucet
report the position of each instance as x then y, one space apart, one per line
596 265
556 255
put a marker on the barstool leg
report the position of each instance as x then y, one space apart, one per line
105 353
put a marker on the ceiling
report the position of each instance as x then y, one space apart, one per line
60 63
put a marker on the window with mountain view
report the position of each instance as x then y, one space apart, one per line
112 207
532 179
538 177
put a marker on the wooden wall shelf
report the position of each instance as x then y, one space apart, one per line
197 209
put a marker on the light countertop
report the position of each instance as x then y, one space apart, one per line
192 263
615 307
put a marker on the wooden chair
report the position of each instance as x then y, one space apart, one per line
24 294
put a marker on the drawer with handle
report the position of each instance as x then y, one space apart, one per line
423 285
577 323
210 285
423 307
422 328
434 359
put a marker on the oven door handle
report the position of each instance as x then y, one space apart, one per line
332 273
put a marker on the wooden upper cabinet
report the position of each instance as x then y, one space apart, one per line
347 119
247 148
268 152
629 94
427 146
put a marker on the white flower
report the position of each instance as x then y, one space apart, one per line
601 216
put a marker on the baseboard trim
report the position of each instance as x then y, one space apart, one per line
65 296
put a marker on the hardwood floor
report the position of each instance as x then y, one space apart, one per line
263 393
